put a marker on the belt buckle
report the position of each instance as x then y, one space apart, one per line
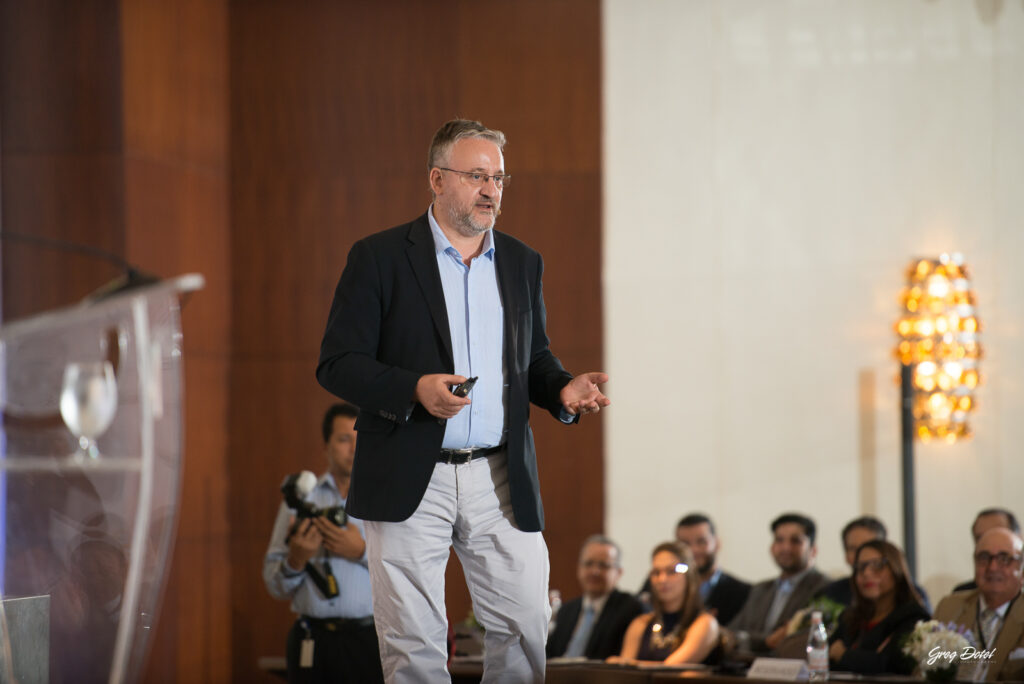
463 456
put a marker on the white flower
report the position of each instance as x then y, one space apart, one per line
935 645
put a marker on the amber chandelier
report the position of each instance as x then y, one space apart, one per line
939 347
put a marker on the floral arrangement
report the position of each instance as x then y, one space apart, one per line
801 620
936 648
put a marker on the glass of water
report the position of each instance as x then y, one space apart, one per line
88 402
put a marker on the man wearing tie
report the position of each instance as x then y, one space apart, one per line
592 626
420 309
994 612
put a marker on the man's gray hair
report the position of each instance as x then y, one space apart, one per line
455 130
606 541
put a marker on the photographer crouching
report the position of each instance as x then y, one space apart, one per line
317 559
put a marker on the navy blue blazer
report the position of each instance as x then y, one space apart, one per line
388 326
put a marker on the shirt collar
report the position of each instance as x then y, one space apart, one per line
597 603
790 583
710 582
443 244
1000 611
326 481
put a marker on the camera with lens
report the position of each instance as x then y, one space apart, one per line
296 487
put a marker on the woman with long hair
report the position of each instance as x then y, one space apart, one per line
679 630
885 609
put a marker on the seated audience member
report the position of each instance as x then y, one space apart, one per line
983 522
593 625
885 609
859 531
723 594
771 603
679 630
994 612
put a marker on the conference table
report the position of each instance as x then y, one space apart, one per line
469 671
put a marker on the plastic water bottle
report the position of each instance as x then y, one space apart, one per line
817 650
555 599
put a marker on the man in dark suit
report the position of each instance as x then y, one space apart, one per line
418 310
762 621
723 594
593 625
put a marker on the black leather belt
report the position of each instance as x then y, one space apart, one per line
460 456
335 624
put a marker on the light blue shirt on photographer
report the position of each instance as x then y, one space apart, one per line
477 325
353 577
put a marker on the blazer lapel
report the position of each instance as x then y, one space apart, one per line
969 613
572 616
506 266
423 259
764 604
800 597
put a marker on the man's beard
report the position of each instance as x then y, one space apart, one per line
466 224
797 565
705 568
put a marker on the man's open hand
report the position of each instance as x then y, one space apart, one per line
582 396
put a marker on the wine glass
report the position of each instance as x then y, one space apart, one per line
88 402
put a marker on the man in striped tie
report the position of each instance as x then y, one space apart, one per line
592 626
994 612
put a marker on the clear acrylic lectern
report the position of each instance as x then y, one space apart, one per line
90 463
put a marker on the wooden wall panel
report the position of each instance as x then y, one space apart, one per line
175 113
61 80
65 196
60 146
333 107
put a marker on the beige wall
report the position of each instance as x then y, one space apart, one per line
770 169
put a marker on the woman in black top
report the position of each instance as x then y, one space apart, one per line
679 630
885 609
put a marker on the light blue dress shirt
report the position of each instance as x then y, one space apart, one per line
783 590
353 577
476 321
708 585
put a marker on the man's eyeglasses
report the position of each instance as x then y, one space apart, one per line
875 565
600 565
477 179
671 571
1002 559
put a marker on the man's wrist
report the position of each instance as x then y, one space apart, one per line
289 571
